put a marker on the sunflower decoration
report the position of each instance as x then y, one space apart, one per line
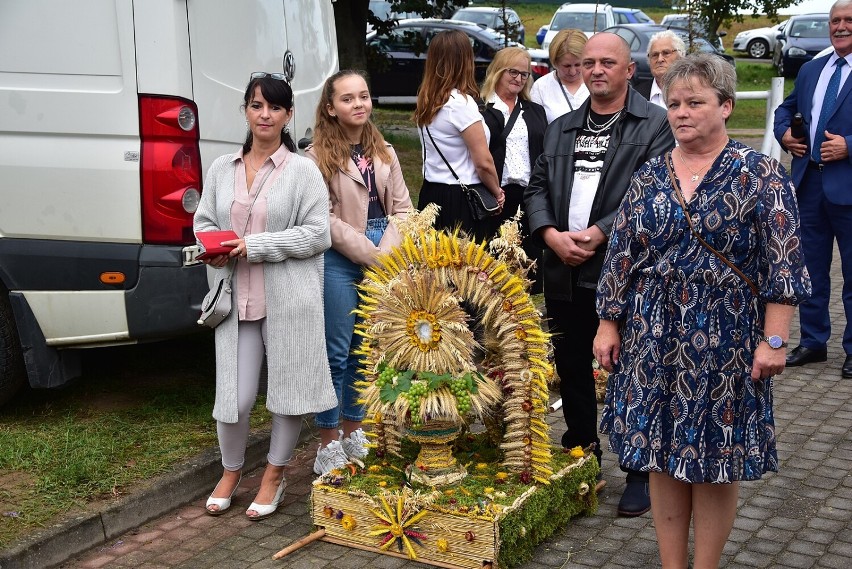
423 364
396 525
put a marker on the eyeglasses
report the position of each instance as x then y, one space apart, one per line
264 75
515 72
666 53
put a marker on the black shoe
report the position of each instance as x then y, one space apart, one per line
802 355
847 368
636 499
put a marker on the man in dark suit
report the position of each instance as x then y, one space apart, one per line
822 172
664 48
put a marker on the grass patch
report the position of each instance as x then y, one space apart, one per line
136 412
751 114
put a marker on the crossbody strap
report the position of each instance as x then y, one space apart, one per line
232 267
701 240
441 154
562 88
511 122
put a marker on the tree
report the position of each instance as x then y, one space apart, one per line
720 13
352 16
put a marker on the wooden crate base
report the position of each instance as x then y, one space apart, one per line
502 535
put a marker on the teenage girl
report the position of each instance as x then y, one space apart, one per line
365 188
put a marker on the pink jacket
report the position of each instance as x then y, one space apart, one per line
348 199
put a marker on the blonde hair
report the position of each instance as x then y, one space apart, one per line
499 65
330 144
449 65
567 41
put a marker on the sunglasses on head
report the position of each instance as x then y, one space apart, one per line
264 75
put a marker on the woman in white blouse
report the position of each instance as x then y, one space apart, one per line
447 116
563 90
516 126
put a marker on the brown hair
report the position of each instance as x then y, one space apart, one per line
330 144
570 40
499 65
449 65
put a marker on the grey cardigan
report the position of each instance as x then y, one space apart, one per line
291 248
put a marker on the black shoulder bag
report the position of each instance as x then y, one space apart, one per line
480 200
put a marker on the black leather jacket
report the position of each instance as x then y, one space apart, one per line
640 134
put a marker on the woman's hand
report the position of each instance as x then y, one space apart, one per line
218 261
239 249
607 344
501 198
767 361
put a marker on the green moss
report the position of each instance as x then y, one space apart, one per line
520 530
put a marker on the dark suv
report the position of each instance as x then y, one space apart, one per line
802 38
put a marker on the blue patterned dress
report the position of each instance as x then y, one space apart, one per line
681 399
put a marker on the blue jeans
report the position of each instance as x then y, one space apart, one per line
341 298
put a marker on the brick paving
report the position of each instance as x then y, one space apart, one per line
800 518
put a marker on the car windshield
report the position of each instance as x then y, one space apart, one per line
809 29
484 18
581 20
642 17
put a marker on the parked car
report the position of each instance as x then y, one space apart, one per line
631 16
699 27
590 18
397 79
759 42
637 37
509 25
383 10
802 38
539 35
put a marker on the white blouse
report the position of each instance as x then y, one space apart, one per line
549 92
517 167
458 113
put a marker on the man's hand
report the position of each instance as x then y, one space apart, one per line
834 148
567 249
589 239
796 146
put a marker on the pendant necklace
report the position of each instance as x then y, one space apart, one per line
250 164
696 174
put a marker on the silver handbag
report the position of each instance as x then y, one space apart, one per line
216 306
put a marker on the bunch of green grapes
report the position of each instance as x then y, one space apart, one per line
415 396
386 376
461 391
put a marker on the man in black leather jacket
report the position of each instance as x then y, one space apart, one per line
577 184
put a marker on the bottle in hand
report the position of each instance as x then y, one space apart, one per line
797 126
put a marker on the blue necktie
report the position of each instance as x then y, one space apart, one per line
827 107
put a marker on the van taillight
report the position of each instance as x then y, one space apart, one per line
171 168
540 68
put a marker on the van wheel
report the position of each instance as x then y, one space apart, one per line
13 376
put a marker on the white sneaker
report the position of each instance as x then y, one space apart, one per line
355 445
329 458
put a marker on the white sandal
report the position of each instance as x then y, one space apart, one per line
266 510
222 503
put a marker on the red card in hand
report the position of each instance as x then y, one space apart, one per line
211 243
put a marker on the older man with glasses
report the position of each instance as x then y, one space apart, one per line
665 48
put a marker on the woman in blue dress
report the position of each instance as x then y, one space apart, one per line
695 316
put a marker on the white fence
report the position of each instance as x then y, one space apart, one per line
774 97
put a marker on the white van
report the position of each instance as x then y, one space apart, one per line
110 113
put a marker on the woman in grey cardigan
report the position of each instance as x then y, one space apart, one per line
277 204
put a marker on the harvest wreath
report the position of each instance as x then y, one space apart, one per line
449 335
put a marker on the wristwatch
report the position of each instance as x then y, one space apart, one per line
775 342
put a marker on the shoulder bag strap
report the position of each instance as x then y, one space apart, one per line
441 154
512 118
232 267
562 88
701 240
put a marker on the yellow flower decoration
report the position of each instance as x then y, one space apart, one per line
397 526
348 522
442 545
423 330
502 476
577 452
